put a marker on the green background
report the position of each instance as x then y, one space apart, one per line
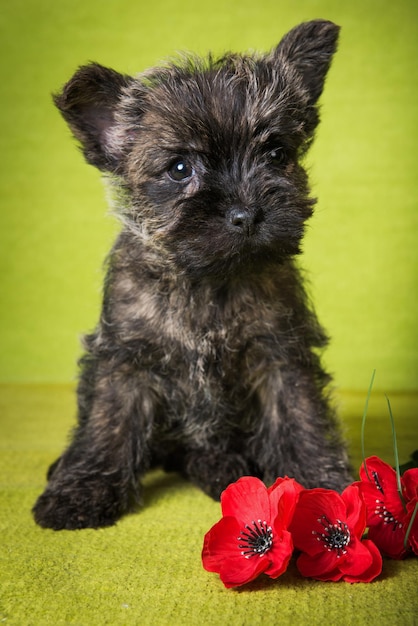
361 251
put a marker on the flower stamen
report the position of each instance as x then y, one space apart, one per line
335 536
377 482
385 515
256 539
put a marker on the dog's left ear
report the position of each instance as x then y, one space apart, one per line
308 49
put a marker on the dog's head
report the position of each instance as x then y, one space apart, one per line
207 152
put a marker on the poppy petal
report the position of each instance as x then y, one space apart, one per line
383 487
387 475
246 499
357 560
284 495
410 482
372 571
237 573
356 516
322 566
389 539
386 516
221 554
280 554
314 508
221 544
413 533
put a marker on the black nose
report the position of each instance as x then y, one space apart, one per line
242 219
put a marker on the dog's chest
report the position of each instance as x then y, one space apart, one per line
200 336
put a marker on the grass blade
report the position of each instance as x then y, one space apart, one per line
408 531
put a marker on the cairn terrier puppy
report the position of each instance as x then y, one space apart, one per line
206 356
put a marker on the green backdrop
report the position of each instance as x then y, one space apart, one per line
361 251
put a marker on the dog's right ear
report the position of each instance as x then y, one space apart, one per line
88 103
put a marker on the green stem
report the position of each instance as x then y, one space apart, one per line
408 531
363 424
395 453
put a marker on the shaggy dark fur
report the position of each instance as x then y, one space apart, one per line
205 359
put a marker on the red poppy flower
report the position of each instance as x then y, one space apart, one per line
410 483
388 516
327 528
252 536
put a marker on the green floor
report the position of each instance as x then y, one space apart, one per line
147 569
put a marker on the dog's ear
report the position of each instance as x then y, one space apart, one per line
308 49
88 103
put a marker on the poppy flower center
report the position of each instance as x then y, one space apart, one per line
334 536
386 516
255 539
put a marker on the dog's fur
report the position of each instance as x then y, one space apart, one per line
205 359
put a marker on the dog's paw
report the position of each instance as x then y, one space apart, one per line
84 505
214 473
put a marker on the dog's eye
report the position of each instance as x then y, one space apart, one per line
180 171
277 156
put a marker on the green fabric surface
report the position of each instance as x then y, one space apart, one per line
360 249
360 253
146 570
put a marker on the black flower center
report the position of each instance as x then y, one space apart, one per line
334 536
381 510
386 516
255 539
377 482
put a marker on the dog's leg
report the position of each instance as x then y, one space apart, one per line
95 480
298 435
213 471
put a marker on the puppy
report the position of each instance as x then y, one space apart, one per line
206 356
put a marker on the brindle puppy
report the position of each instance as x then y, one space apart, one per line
205 359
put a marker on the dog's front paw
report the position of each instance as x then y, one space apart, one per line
84 505
214 473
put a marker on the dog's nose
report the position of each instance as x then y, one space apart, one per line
242 219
